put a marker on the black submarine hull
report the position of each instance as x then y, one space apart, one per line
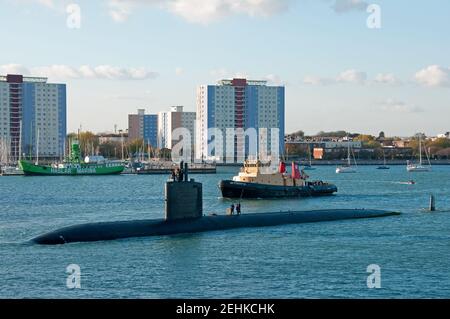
233 189
159 227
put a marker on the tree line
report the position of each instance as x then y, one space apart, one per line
137 148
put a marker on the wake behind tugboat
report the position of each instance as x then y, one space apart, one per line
255 180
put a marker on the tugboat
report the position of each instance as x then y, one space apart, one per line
255 180
73 166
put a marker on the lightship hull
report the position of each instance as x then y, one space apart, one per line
31 169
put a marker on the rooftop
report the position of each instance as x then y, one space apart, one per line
18 78
241 82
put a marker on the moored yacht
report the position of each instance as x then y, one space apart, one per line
411 167
347 168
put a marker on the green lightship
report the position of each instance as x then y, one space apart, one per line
73 166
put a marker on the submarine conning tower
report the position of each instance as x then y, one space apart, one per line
183 197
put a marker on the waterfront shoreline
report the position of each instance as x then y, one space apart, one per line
341 162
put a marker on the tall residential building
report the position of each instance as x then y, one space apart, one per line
31 108
143 126
239 104
171 120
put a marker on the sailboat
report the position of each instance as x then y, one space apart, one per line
411 167
8 169
348 168
384 166
309 167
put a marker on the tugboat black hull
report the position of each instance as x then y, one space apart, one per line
232 189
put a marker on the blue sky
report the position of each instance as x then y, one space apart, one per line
339 74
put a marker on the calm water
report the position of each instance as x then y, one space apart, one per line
294 261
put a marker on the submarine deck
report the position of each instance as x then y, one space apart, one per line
158 227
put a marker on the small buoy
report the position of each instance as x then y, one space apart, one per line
432 203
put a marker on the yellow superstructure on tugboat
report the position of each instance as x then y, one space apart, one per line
259 180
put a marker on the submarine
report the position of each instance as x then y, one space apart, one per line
184 214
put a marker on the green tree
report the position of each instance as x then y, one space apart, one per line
365 138
88 142
332 134
372 144
165 154
440 143
296 149
111 149
136 146
298 134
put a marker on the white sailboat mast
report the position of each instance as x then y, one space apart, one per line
420 149
37 147
310 157
20 141
348 152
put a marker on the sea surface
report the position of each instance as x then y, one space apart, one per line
320 260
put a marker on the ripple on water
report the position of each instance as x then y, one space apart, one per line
322 260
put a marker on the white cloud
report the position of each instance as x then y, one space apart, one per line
392 105
315 80
220 73
352 76
274 79
342 6
434 76
112 72
55 72
387 78
47 3
56 5
85 71
13 69
204 12
120 10
241 75
201 11
348 76
179 71
208 11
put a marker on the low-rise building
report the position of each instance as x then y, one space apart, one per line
105 138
